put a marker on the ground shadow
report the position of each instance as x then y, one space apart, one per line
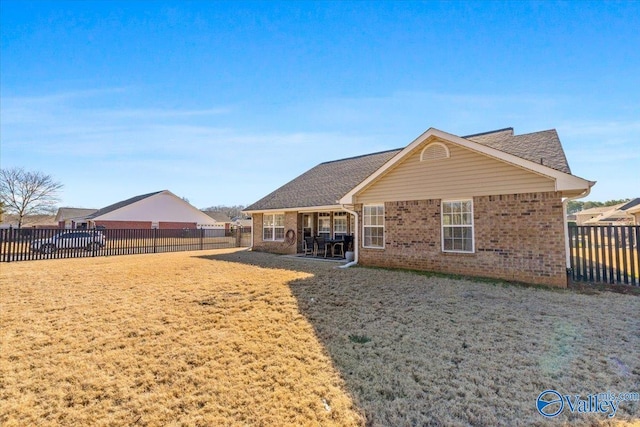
418 350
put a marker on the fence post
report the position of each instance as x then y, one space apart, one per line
12 243
155 236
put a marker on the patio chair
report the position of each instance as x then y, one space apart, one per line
308 246
338 247
321 246
348 243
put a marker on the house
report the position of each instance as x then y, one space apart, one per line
29 221
635 212
161 209
583 216
242 223
73 217
620 214
220 218
490 204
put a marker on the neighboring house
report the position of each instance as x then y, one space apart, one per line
635 212
243 223
220 218
582 217
73 217
490 204
29 221
161 209
620 214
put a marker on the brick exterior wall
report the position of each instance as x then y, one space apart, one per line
278 247
124 224
518 237
177 225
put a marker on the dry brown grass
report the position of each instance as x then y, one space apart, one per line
168 339
241 338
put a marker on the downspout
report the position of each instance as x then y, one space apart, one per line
567 247
355 239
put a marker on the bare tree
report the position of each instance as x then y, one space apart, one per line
230 211
27 193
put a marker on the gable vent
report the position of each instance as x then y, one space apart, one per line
434 151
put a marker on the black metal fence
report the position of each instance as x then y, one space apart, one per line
33 244
605 254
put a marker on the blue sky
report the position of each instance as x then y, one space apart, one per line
223 102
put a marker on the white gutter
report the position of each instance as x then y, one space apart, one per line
355 238
567 246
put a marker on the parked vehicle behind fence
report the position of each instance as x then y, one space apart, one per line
89 240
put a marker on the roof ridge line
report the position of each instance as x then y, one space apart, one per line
361 155
488 132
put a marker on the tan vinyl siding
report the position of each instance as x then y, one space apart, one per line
464 174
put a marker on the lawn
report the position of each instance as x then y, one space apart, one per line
230 337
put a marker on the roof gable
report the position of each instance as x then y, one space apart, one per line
563 180
161 206
121 204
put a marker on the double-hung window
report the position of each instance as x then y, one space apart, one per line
273 227
457 226
373 226
339 224
324 225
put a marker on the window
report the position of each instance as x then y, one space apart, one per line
273 227
373 226
457 226
339 224
324 225
307 225
434 151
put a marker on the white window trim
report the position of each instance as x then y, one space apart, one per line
365 226
473 230
340 216
322 216
273 227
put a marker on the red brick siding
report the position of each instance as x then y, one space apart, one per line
176 225
290 223
518 237
124 224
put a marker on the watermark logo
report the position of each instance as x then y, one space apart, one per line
551 403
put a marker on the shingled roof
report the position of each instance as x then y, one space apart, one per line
540 147
327 182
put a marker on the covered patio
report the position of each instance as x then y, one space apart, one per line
326 234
